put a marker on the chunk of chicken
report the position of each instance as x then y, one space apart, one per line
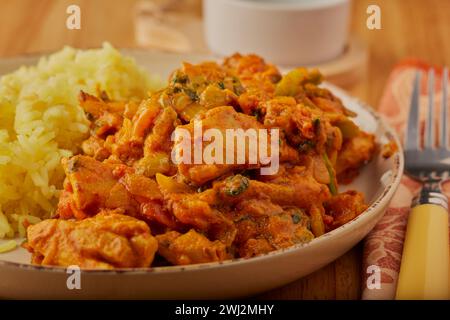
296 187
297 121
92 186
158 146
345 207
196 209
355 152
221 118
106 116
108 240
90 182
145 141
262 232
189 248
194 89
257 77
95 147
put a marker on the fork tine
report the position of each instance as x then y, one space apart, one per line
444 132
412 135
429 137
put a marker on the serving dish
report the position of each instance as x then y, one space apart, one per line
231 278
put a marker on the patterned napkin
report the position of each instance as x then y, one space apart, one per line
383 246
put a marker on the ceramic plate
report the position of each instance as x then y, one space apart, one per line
229 279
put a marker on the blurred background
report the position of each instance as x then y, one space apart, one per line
409 29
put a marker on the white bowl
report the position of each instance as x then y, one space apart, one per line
233 278
285 32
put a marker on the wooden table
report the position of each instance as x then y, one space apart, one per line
413 28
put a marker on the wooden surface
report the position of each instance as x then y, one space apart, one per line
410 28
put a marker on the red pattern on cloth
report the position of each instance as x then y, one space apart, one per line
384 244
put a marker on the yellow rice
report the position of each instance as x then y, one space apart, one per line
41 122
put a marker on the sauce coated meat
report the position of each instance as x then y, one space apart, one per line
125 200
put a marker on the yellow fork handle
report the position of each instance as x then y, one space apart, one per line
424 271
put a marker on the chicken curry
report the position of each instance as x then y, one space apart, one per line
125 203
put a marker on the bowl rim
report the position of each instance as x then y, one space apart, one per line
381 201
299 6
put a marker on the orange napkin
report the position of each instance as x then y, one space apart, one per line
383 246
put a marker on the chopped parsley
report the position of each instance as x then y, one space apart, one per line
296 218
235 185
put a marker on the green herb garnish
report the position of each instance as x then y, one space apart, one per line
235 185
296 218
332 184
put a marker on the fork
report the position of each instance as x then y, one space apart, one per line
424 271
